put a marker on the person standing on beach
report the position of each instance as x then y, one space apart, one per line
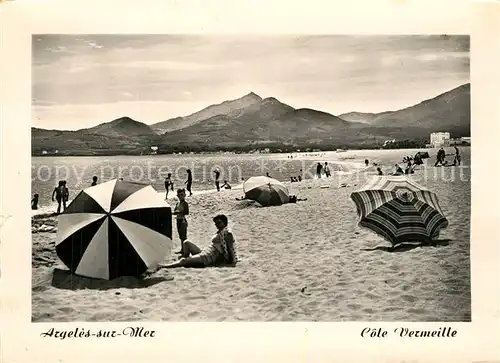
319 168
94 181
440 157
181 210
367 162
457 156
217 181
379 171
58 192
169 184
34 202
65 194
189 181
327 170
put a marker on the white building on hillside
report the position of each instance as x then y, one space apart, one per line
439 139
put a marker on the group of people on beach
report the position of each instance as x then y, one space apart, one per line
169 183
322 170
221 249
60 193
441 158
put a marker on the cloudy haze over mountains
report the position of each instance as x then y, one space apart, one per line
83 81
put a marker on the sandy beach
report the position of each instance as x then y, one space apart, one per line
299 262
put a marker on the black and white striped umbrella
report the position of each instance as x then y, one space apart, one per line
399 209
267 191
116 228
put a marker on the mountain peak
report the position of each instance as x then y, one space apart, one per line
124 119
253 95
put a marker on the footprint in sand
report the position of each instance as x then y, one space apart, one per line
409 298
354 306
419 311
66 310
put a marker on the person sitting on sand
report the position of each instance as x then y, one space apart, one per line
294 199
398 171
299 178
94 181
379 171
226 185
409 168
34 202
267 174
221 250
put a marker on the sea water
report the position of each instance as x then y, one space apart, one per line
235 168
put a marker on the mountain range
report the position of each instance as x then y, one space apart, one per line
255 122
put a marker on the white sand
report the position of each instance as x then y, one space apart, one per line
304 262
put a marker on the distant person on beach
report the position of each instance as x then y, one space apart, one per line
327 170
440 157
58 193
367 162
409 169
189 181
294 199
94 181
65 194
169 184
379 171
267 174
181 210
319 168
217 182
221 250
457 159
34 202
299 178
226 185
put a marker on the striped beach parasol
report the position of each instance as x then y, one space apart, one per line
114 229
267 191
399 209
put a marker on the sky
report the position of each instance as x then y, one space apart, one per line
80 81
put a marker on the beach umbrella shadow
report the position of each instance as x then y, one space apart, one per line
405 247
64 279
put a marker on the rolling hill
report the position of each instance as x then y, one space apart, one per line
363 117
449 111
120 127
